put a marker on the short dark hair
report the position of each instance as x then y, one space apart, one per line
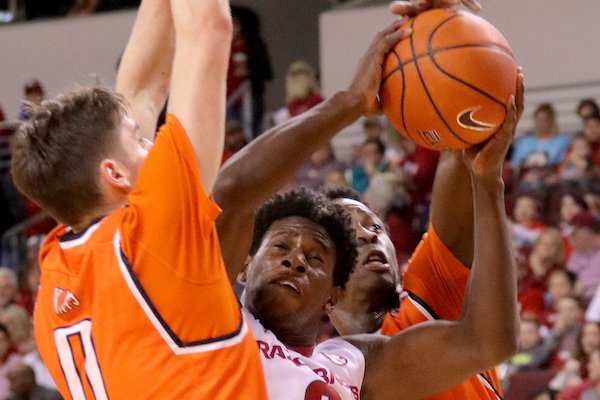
343 193
55 155
317 208
588 102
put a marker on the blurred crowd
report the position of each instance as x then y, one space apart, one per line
553 199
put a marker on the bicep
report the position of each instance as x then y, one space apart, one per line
235 235
420 362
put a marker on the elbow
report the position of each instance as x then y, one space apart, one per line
497 350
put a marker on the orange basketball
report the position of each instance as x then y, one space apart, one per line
447 85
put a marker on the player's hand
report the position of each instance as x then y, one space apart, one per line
486 160
367 79
414 7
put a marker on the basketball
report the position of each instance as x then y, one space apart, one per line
447 85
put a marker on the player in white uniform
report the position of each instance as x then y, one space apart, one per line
332 370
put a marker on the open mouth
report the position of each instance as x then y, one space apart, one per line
376 261
289 285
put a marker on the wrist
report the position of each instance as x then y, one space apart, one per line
354 103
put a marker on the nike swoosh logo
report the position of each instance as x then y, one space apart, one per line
466 120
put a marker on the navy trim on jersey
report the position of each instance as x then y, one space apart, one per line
423 304
72 235
172 335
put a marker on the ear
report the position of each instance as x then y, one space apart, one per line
336 294
242 276
115 175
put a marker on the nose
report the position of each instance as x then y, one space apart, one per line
296 261
365 236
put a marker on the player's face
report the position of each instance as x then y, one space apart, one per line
376 263
290 278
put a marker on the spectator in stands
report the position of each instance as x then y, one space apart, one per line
535 154
258 62
8 360
587 107
23 385
544 393
593 393
42 375
302 91
8 287
591 131
375 127
574 375
577 168
370 163
544 146
546 256
561 284
34 95
563 337
570 203
321 163
235 140
335 179
17 321
585 258
531 354
526 222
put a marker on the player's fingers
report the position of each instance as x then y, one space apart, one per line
390 36
472 5
404 8
508 128
520 97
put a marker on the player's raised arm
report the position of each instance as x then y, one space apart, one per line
256 172
432 357
145 68
203 32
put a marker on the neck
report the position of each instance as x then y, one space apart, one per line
361 311
96 215
351 322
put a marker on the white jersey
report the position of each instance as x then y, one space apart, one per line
334 370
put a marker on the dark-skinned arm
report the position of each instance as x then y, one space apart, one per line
431 357
269 162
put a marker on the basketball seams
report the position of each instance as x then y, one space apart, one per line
460 47
446 66
431 101
399 66
449 75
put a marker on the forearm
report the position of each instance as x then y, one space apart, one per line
269 162
452 206
203 31
492 301
145 68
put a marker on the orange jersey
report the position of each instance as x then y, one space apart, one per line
434 288
139 306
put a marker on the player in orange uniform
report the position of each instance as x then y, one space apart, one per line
134 300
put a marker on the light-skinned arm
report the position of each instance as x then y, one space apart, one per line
203 31
145 68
